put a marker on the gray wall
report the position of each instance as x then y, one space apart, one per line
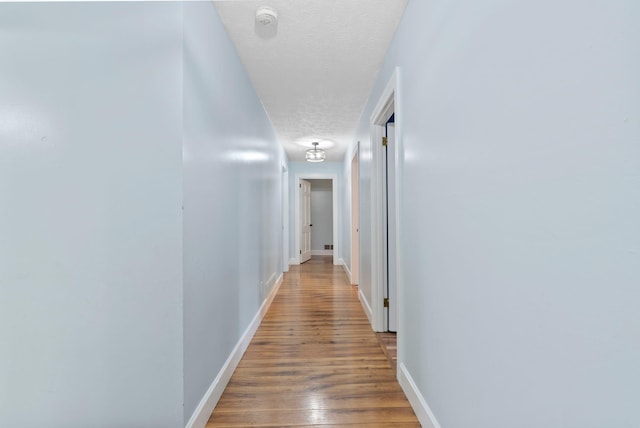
519 210
90 215
232 200
140 211
321 214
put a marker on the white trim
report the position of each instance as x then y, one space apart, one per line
278 282
293 261
285 216
322 253
334 191
355 151
354 278
268 283
377 238
202 413
418 403
346 269
399 155
365 306
388 103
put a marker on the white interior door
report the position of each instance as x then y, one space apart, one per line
305 221
355 223
391 292
285 220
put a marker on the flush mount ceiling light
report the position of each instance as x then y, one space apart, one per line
266 22
315 154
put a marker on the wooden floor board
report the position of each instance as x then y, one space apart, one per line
314 362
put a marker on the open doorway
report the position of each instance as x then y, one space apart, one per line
321 217
305 228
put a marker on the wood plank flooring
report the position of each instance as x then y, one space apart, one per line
389 343
314 362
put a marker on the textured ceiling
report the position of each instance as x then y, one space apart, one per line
315 75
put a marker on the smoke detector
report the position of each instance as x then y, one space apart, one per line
266 22
266 16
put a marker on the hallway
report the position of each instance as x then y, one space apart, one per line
314 361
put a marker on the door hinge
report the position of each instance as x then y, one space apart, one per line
386 302
300 251
300 185
384 141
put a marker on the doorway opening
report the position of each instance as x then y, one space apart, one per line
305 228
321 217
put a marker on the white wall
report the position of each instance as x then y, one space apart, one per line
321 214
232 200
90 215
519 210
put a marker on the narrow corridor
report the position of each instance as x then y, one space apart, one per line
314 361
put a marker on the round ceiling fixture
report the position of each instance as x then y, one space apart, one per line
315 154
266 22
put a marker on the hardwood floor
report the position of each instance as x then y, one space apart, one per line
389 343
314 362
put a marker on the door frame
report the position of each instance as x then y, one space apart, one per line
389 102
306 227
285 217
354 272
334 201
389 219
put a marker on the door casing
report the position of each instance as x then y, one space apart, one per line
354 272
389 201
297 225
285 217
389 103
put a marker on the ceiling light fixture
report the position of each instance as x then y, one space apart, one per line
315 154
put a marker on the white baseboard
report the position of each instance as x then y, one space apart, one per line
418 403
365 306
321 252
346 270
202 413
293 261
